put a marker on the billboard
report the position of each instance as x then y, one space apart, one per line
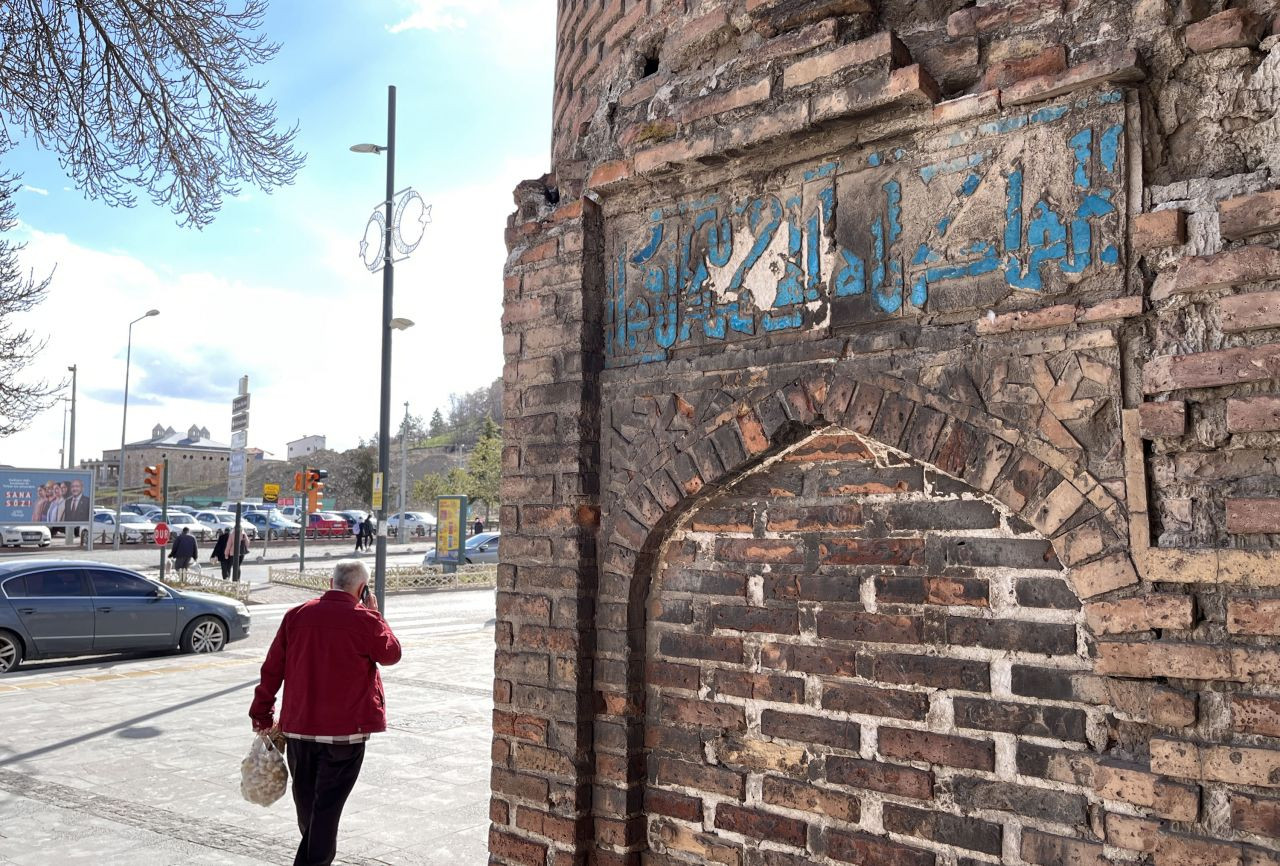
54 497
450 512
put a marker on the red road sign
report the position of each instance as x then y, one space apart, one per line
162 534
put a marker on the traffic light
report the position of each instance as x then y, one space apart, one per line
313 499
315 488
153 483
297 481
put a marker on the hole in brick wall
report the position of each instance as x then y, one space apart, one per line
650 65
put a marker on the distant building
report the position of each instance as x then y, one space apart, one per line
193 458
304 446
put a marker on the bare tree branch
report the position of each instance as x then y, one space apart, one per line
19 292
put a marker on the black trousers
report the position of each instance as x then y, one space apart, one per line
323 776
226 568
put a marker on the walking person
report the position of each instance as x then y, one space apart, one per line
220 553
477 527
236 551
366 529
358 531
326 653
185 550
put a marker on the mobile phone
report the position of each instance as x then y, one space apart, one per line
364 594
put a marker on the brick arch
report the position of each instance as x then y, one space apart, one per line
1032 479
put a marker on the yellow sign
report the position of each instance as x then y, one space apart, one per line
449 511
270 492
377 490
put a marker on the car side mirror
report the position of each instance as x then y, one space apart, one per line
159 593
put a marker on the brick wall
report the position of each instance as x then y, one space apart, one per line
1027 254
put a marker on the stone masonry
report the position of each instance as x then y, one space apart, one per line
892 398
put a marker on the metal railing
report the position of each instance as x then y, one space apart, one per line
399 579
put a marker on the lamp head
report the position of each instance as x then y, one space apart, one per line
401 324
153 312
367 148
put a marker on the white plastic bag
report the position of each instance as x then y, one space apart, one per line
263 774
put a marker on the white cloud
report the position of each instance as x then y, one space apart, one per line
440 15
35 189
514 32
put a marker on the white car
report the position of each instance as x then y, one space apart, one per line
415 523
220 520
134 528
25 536
179 521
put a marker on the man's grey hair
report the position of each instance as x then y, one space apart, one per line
349 574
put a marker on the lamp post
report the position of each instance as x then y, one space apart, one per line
388 286
71 446
62 452
124 422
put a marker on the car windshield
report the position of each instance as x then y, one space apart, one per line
483 538
181 518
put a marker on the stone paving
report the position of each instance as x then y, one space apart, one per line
137 760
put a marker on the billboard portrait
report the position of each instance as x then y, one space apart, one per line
53 497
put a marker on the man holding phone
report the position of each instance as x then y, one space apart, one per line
326 654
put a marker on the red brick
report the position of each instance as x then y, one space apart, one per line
1236 765
1253 616
1234 28
703 713
1251 714
761 825
810 798
554 827
682 150
1156 229
934 748
911 86
675 805
866 850
1139 614
1162 419
1249 516
1211 369
720 102
978 20
1179 850
871 551
714 779
1255 814
870 627
1222 270
830 518
881 48
1122 66
517 850
802 727
1042 848
1050 61
878 776
760 550
770 17
755 619
872 701
1250 311
694 646
608 173
934 671
970 833
760 687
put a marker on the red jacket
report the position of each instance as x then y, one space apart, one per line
327 653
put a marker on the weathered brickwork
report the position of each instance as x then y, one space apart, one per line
893 417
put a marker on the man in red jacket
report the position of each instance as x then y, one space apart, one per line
327 653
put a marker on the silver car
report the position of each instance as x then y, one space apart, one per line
480 548
51 608
220 520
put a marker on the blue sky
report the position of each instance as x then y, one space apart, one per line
274 288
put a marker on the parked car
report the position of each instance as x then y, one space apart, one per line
272 524
353 518
292 512
134 528
480 548
185 509
145 509
416 523
25 536
51 607
178 522
325 524
220 520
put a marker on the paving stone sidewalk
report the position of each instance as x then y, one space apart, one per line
138 762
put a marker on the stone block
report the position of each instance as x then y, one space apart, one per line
883 48
1246 215
909 86
1236 765
720 102
1226 269
1119 67
1253 616
771 17
1140 614
1051 61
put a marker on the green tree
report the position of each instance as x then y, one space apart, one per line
427 489
437 424
485 466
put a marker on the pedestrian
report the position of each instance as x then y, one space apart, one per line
220 553
477 527
185 550
358 531
326 653
236 551
366 529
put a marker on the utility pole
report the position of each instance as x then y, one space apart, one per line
384 399
306 518
164 508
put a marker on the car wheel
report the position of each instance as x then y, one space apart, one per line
206 634
271 533
10 651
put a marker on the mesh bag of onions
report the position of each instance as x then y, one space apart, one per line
263 775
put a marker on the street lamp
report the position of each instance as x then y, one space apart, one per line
124 422
386 324
71 450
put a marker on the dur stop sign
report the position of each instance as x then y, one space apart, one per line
162 534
